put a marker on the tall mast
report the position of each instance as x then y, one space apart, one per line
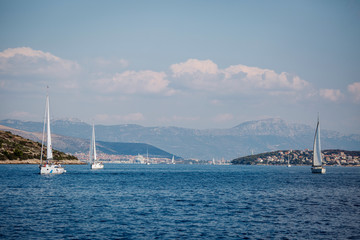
93 142
91 150
48 142
43 134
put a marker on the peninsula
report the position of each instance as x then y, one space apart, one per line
301 157
15 149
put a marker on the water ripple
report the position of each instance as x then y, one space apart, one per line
179 201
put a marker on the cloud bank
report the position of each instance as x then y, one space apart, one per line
202 76
26 61
25 69
333 95
206 76
27 65
131 82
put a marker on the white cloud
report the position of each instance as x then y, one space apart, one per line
26 61
193 66
28 52
131 82
206 76
241 76
354 89
333 95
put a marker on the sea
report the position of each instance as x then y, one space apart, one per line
180 202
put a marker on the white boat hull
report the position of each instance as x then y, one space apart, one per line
51 169
320 170
97 166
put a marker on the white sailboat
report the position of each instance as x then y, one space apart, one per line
94 164
173 160
317 158
288 161
48 167
147 161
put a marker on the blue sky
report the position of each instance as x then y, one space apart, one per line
196 64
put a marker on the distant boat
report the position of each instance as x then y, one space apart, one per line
147 162
317 158
288 161
94 164
213 161
48 167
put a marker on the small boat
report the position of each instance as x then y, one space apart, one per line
317 166
94 164
173 160
147 160
288 162
48 166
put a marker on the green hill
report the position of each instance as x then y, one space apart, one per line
14 147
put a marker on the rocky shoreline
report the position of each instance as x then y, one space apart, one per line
37 161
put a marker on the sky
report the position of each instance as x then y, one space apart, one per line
195 64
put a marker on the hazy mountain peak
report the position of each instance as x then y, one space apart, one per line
262 122
270 126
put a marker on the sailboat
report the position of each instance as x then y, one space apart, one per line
288 161
94 164
147 161
173 160
48 167
317 158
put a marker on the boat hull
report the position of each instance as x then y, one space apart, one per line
97 166
320 170
51 169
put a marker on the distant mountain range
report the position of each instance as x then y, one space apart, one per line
246 138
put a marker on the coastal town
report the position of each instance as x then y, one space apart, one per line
293 157
125 159
141 159
301 157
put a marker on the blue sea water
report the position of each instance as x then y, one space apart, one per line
179 202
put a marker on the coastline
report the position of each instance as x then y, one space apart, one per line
294 165
37 162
